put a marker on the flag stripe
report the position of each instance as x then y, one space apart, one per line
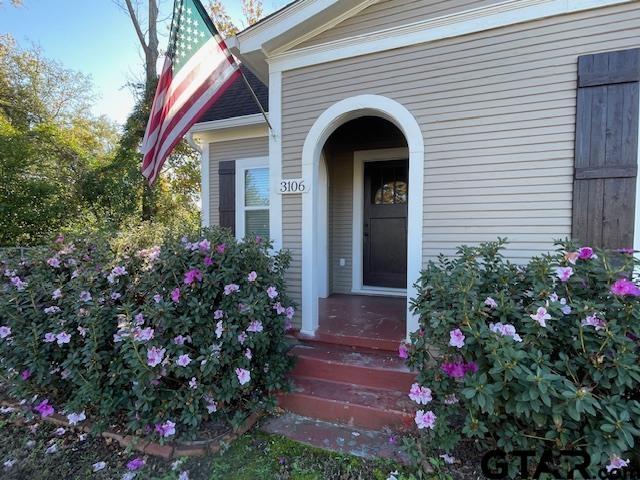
185 127
175 111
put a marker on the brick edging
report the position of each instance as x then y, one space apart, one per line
196 448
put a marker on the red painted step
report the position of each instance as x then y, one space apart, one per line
367 368
356 405
332 338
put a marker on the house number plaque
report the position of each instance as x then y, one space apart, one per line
293 185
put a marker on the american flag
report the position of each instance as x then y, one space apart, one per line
198 68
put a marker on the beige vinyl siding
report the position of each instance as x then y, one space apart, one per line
392 13
340 167
230 150
497 112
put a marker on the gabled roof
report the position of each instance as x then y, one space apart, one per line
237 101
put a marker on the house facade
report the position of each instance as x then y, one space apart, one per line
401 129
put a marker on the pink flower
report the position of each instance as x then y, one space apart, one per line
143 335
56 294
157 298
62 338
571 257
166 429
420 395
45 409
183 360
193 383
85 296
5 331
453 369
115 296
623 287
204 245
626 251
279 308
593 321
192 276
290 312
18 283
212 405
82 331
25 374
252 276
255 326
425 419
616 463
49 337
541 316
456 338
506 330
208 261
155 356
219 329
403 351
242 338
175 295
248 353
563 273
135 464
139 318
490 302
54 262
244 376
272 292
585 253
231 288
218 314
179 340
221 248
51 310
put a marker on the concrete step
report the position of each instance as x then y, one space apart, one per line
350 404
368 368
337 437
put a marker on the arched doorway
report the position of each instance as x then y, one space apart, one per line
315 226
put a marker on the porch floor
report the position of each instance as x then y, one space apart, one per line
362 321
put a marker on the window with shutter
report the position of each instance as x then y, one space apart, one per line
227 205
606 151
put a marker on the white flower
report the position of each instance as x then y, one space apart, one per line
447 458
392 476
99 466
52 449
76 418
60 431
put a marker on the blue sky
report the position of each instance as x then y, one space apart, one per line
95 37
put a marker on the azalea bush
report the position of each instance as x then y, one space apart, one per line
159 339
542 356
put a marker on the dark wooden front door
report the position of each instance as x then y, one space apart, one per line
385 223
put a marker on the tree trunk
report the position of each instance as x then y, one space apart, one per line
151 79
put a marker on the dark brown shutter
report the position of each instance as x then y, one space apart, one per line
606 152
227 208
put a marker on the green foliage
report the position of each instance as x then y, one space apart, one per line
567 381
117 307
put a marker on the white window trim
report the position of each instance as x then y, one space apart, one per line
242 165
360 157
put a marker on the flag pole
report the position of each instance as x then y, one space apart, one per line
255 98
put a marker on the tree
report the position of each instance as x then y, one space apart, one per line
49 141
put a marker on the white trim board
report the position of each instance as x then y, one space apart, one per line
478 19
275 159
336 115
359 159
242 165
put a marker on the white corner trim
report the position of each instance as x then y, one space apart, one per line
327 122
275 159
469 21
241 121
322 28
636 225
359 159
203 149
381 291
243 164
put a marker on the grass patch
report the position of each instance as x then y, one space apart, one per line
255 455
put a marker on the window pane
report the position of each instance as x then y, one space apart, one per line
256 187
257 223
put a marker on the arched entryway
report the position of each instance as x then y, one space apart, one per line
315 215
